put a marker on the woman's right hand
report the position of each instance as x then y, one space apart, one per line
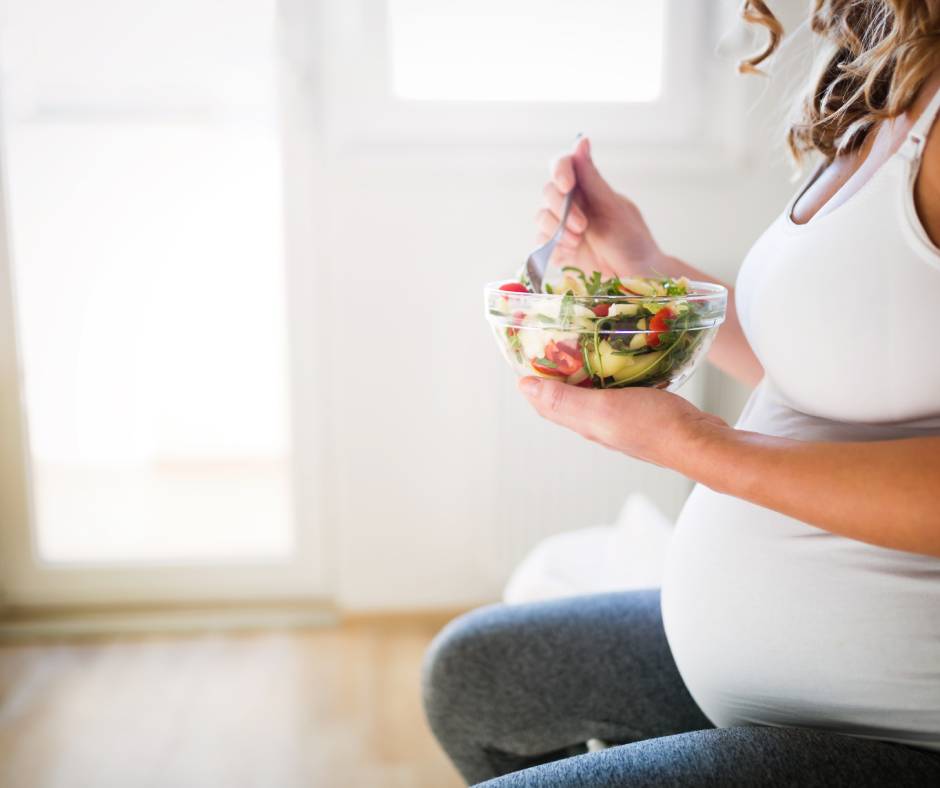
605 231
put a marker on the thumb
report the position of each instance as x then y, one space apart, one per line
591 183
576 408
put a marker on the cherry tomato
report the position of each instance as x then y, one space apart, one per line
514 287
555 373
567 358
601 310
519 317
658 325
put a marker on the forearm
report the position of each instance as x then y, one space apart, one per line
730 352
885 493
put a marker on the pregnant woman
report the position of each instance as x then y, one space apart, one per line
797 640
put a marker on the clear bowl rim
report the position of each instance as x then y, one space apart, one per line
704 326
699 291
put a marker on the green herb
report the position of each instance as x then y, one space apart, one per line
577 271
586 358
636 352
593 285
674 288
566 312
686 331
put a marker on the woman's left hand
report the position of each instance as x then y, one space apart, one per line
883 492
648 424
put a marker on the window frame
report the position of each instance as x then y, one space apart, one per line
361 116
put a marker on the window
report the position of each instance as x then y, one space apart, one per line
527 50
142 163
523 73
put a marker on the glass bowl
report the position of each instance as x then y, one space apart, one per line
607 341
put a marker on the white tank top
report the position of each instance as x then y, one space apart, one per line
771 620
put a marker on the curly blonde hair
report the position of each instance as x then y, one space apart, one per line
878 55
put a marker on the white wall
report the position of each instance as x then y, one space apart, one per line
438 476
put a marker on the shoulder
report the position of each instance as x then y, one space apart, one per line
927 188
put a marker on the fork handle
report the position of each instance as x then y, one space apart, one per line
565 210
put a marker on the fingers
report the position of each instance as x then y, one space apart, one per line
562 173
578 169
554 200
563 255
546 223
592 184
585 411
606 271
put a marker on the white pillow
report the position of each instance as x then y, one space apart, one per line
629 554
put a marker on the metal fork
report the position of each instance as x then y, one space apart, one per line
537 262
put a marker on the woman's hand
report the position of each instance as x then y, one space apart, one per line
605 231
881 492
648 424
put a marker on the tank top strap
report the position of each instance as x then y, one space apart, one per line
913 146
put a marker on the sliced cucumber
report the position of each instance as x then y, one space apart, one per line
605 362
642 366
578 377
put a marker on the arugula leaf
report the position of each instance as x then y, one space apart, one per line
566 312
583 342
578 272
544 362
674 288
637 352
595 283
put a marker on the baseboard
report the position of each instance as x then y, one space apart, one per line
39 622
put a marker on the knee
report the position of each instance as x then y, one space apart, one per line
457 666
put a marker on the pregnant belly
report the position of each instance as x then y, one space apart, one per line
772 621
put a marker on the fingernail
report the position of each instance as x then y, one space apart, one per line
530 386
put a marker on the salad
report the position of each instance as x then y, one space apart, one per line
606 333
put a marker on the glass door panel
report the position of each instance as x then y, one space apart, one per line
142 166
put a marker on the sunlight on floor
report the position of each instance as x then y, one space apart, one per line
333 707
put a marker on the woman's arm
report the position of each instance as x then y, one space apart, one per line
730 351
886 493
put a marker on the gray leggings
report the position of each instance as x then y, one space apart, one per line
517 690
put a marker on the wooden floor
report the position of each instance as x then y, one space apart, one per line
329 707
